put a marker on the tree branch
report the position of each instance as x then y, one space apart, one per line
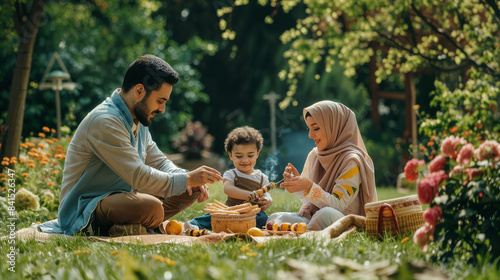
494 6
455 44
432 61
18 16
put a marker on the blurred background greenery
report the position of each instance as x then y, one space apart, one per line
222 81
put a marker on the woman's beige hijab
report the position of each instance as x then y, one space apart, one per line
344 144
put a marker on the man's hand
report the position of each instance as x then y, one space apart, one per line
204 195
264 203
203 175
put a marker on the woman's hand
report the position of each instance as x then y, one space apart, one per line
305 211
296 184
290 172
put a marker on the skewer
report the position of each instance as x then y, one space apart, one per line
256 194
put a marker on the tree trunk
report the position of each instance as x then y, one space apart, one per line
27 24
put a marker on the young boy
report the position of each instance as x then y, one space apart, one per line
243 145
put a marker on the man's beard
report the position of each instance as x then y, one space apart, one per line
142 113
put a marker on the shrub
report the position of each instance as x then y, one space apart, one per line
462 186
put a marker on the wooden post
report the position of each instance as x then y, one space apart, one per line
374 90
410 116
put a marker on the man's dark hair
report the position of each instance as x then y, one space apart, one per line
150 71
243 135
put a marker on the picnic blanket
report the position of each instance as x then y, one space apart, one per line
336 232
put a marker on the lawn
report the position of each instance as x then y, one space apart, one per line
79 258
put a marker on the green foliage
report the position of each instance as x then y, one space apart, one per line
97 44
471 214
404 36
471 111
469 200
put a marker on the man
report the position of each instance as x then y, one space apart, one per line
115 179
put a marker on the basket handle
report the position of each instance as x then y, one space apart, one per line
379 219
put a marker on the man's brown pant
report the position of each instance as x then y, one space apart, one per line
138 208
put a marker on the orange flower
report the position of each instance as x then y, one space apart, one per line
49 141
50 184
1 174
4 188
3 179
25 175
5 163
42 135
479 137
479 125
430 143
422 148
42 146
454 129
38 223
55 139
46 129
467 133
31 165
55 172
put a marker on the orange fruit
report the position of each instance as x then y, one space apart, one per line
255 232
276 227
301 227
173 227
285 226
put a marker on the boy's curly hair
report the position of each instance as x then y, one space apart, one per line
243 135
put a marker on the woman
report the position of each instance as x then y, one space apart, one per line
338 176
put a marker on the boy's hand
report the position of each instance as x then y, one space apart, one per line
264 203
203 175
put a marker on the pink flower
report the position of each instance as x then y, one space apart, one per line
465 154
433 215
411 172
450 144
456 170
473 172
488 150
437 163
428 186
423 235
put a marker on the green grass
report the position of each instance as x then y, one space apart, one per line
69 258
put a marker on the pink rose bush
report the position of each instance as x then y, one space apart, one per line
462 187
411 169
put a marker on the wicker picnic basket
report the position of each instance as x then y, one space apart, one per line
232 223
394 216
